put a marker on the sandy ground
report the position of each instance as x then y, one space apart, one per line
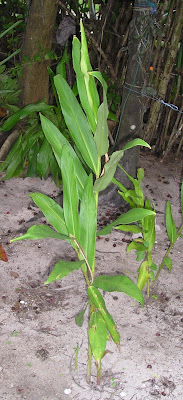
38 331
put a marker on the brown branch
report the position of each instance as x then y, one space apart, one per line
7 145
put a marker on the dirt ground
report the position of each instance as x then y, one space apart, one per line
39 336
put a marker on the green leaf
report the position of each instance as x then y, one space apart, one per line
98 301
76 56
154 267
129 228
10 28
62 269
143 275
70 193
101 133
119 283
97 335
92 93
136 142
109 171
51 210
40 232
16 154
136 246
76 123
57 141
88 221
140 175
100 78
43 158
79 319
22 113
149 227
134 215
168 263
170 224
60 69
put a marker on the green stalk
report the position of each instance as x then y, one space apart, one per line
89 361
167 253
98 372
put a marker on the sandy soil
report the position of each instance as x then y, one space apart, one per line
38 331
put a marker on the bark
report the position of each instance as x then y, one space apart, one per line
166 75
37 41
8 144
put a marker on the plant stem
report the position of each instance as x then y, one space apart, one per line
166 255
89 363
98 372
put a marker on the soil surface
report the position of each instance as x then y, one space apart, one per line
39 336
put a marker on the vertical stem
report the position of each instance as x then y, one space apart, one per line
98 372
89 363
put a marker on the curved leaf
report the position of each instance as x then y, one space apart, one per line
40 232
136 142
119 283
170 224
63 268
134 215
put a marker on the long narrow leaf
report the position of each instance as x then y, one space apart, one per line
63 268
22 113
170 224
109 171
136 142
88 221
40 232
57 141
119 283
77 123
52 211
70 193
76 56
43 158
134 215
92 93
97 335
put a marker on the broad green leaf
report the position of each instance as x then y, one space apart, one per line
168 263
51 210
88 221
76 56
40 232
101 133
77 123
97 335
92 93
119 283
70 193
98 301
136 142
143 275
43 158
182 198
109 171
13 165
62 269
154 267
134 215
22 113
170 224
129 228
136 246
57 141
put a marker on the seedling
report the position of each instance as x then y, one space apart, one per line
145 231
83 178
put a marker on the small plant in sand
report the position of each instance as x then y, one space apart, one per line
83 178
145 231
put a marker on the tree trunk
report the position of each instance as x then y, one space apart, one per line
37 43
131 119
